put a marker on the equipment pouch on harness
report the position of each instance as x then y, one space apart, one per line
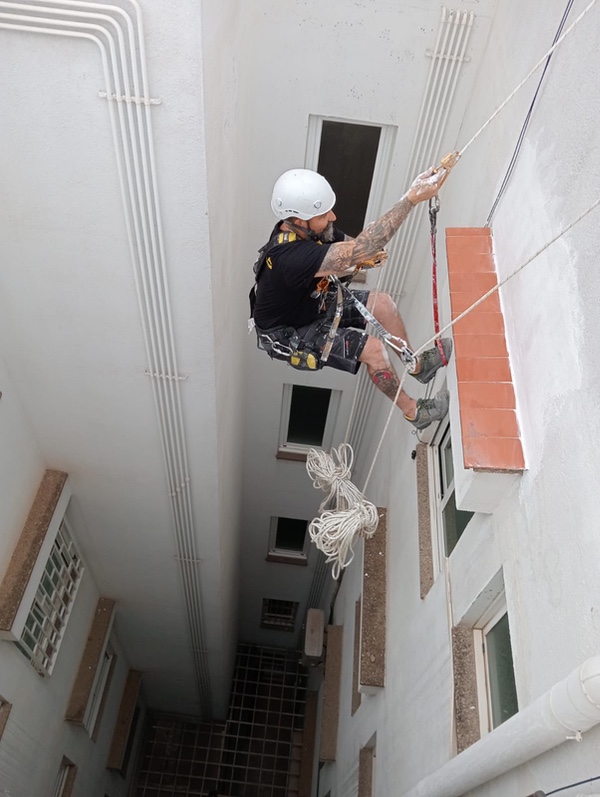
284 343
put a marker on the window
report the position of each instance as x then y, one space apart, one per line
65 779
101 682
343 143
333 144
45 623
449 521
307 419
277 614
288 540
495 669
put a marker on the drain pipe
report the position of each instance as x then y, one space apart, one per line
568 709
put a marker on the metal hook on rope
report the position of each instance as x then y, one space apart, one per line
434 207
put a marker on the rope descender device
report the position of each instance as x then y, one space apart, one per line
398 344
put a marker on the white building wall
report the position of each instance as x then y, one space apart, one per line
544 534
36 736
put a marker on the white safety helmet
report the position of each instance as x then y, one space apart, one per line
301 193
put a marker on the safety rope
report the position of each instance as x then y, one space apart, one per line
434 207
533 70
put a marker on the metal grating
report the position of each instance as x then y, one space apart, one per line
256 753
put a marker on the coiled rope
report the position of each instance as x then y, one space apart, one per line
346 515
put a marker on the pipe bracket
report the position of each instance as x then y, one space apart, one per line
128 99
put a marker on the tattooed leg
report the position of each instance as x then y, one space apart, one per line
385 377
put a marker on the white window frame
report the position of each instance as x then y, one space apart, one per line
438 496
55 610
383 161
287 553
15 633
482 627
99 686
332 413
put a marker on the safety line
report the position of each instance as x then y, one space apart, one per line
521 138
525 79
475 304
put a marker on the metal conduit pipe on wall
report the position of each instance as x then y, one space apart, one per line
564 712
447 58
125 74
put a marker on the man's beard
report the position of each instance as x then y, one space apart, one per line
328 234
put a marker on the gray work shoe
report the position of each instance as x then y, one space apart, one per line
431 361
430 410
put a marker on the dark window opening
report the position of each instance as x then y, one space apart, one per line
347 158
308 415
501 673
277 614
454 520
290 534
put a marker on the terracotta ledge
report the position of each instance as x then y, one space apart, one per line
424 520
365 772
331 693
308 745
356 695
466 702
490 432
373 622
29 546
487 454
123 727
90 661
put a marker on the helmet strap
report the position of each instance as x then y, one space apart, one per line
311 234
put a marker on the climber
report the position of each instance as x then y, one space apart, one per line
298 314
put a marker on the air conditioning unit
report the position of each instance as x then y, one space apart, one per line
313 638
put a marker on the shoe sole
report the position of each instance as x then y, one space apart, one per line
431 374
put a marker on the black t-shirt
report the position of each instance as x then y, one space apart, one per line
284 296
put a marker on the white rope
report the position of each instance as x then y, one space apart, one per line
344 515
525 79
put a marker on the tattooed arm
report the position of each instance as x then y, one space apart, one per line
346 255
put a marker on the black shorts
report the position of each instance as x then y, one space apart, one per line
350 337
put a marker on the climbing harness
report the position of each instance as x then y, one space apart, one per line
398 344
434 208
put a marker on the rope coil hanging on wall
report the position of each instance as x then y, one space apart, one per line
344 515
